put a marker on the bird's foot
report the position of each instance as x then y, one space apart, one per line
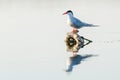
75 31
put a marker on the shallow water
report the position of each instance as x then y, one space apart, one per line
32 35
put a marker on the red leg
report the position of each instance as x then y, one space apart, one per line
75 30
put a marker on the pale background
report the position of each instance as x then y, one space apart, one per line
32 34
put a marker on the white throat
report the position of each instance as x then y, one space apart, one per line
69 18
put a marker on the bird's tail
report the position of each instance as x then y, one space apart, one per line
91 25
94 25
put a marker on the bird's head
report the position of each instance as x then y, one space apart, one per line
68 12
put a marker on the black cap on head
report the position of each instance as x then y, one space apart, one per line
69 11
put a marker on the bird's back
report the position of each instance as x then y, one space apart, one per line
76 23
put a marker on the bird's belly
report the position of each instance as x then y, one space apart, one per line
71 24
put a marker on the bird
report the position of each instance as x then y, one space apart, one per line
76 23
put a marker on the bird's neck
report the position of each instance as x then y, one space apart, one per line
70 16
69 19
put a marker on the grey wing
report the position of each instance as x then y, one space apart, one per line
77 23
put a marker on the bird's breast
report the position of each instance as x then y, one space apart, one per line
69 22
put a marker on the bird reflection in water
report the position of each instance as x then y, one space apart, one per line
75 60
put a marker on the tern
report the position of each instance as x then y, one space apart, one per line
75 22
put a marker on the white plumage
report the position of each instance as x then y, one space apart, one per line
76 23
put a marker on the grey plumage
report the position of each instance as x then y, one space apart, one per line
76 23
